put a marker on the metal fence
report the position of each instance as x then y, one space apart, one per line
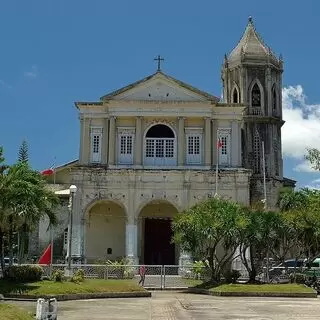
164 276
156 276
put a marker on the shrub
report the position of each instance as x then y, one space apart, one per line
57 276
26 273
198 269
298 278
231 276
78 276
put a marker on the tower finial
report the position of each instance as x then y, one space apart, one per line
250 20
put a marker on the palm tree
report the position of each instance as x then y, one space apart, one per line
24 200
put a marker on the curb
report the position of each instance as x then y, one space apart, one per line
254 294
79 296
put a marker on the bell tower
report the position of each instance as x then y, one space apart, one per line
252 75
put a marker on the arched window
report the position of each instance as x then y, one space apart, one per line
257 152
274 100
160 131
160 146
255 96
235 95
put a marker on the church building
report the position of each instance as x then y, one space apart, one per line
158 146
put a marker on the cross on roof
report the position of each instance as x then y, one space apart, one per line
159 59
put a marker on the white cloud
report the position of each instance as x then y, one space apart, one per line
33 73
304 167
302 127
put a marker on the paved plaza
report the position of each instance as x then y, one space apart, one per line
182 306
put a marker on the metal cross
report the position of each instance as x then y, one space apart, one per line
159 59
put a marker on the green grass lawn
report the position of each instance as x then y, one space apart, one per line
53 288
9 312
279 288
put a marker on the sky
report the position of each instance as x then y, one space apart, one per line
55 52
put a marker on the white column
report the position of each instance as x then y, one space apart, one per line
81 154
214 142
131 242
86 144
181 141
105 141
112 140
235 144
185 262
138 142
76 242
207 141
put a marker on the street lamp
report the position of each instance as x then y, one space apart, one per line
73 190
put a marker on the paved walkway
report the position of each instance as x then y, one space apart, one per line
180 306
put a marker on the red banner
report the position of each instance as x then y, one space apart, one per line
46 256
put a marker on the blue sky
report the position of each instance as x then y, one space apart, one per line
55 52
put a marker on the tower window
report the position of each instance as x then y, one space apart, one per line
274 99
256 96
235 96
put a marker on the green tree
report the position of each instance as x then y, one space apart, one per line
23 155
24 200
313 156
259 238
290 199
208 227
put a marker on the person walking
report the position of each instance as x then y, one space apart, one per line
142 273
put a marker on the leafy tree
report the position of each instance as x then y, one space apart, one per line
208 227
24 200
23 155
259 238
313 156
290 199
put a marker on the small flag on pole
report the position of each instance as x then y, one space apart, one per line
46 256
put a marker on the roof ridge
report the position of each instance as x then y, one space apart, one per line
168 77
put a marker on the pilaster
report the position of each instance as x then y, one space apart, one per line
269 92
138 141
105 141
112 140
81 153
181 141
207 141
86 141
235 143
214 142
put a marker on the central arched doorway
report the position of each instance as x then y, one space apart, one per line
156 247
160 146
105 230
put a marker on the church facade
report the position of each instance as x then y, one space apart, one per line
158 146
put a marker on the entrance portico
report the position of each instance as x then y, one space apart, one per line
155 234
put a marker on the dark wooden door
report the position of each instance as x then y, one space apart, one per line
158 248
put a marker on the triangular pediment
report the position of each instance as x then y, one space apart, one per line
160 87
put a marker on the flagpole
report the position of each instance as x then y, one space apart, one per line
51 227
264 177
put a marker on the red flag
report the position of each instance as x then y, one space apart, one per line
47 172
46 256
219 144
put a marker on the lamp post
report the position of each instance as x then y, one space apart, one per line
73 190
